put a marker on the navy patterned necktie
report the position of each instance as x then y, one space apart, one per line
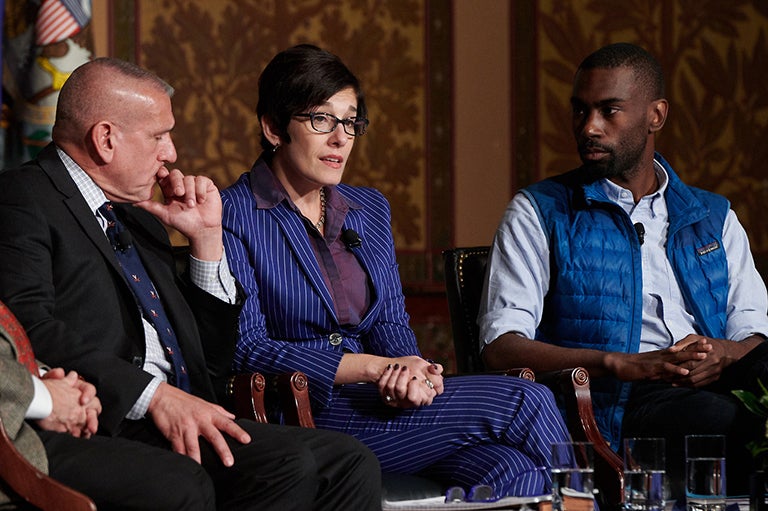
145 293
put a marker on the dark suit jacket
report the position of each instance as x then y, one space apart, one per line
60 277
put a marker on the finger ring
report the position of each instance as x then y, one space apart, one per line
429 383
388 399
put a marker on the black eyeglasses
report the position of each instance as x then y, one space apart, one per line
325 123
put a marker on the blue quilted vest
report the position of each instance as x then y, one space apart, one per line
595 295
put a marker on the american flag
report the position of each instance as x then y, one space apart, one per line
60 19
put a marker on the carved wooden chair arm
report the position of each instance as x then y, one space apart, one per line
520 372
251 394
293 391
573 384
32 485
246 394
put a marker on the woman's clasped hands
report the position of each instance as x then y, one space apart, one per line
409 382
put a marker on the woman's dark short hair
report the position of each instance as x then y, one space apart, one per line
298 79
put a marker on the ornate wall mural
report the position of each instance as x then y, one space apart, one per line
714 53
213 52
715 58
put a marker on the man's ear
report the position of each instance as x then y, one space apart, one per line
102 138
658 114
270 130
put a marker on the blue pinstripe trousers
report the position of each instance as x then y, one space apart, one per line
484 429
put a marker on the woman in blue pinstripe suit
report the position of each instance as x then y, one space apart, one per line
317 261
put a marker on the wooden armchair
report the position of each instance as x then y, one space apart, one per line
464 277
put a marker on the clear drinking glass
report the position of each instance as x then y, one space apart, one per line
573 476
644 470
705 472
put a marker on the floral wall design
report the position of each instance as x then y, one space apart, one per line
715 59
714 53
213 52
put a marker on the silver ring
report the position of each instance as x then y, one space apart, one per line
429 383
388 399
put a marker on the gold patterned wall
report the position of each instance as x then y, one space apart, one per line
212 52
714 53
715 58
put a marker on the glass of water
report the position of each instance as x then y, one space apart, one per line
644 474
573 476
705 472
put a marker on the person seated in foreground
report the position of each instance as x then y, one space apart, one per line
317 261
620 267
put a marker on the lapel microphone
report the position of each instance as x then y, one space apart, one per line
124 240
640 229
351 239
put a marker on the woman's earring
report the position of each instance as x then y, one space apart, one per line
274 148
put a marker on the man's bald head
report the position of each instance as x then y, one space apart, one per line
102 89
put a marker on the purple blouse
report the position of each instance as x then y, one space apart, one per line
341 270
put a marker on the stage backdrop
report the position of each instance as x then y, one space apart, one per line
212 52
715 59
714 54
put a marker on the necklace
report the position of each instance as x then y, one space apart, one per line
321 222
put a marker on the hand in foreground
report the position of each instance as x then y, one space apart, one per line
183 418
192 206
409 382
75 405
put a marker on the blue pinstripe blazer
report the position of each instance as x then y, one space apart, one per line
289 321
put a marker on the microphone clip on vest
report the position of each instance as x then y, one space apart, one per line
640 230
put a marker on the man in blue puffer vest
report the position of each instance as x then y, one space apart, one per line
621 268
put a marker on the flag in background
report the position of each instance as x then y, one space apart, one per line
43 42
58 20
